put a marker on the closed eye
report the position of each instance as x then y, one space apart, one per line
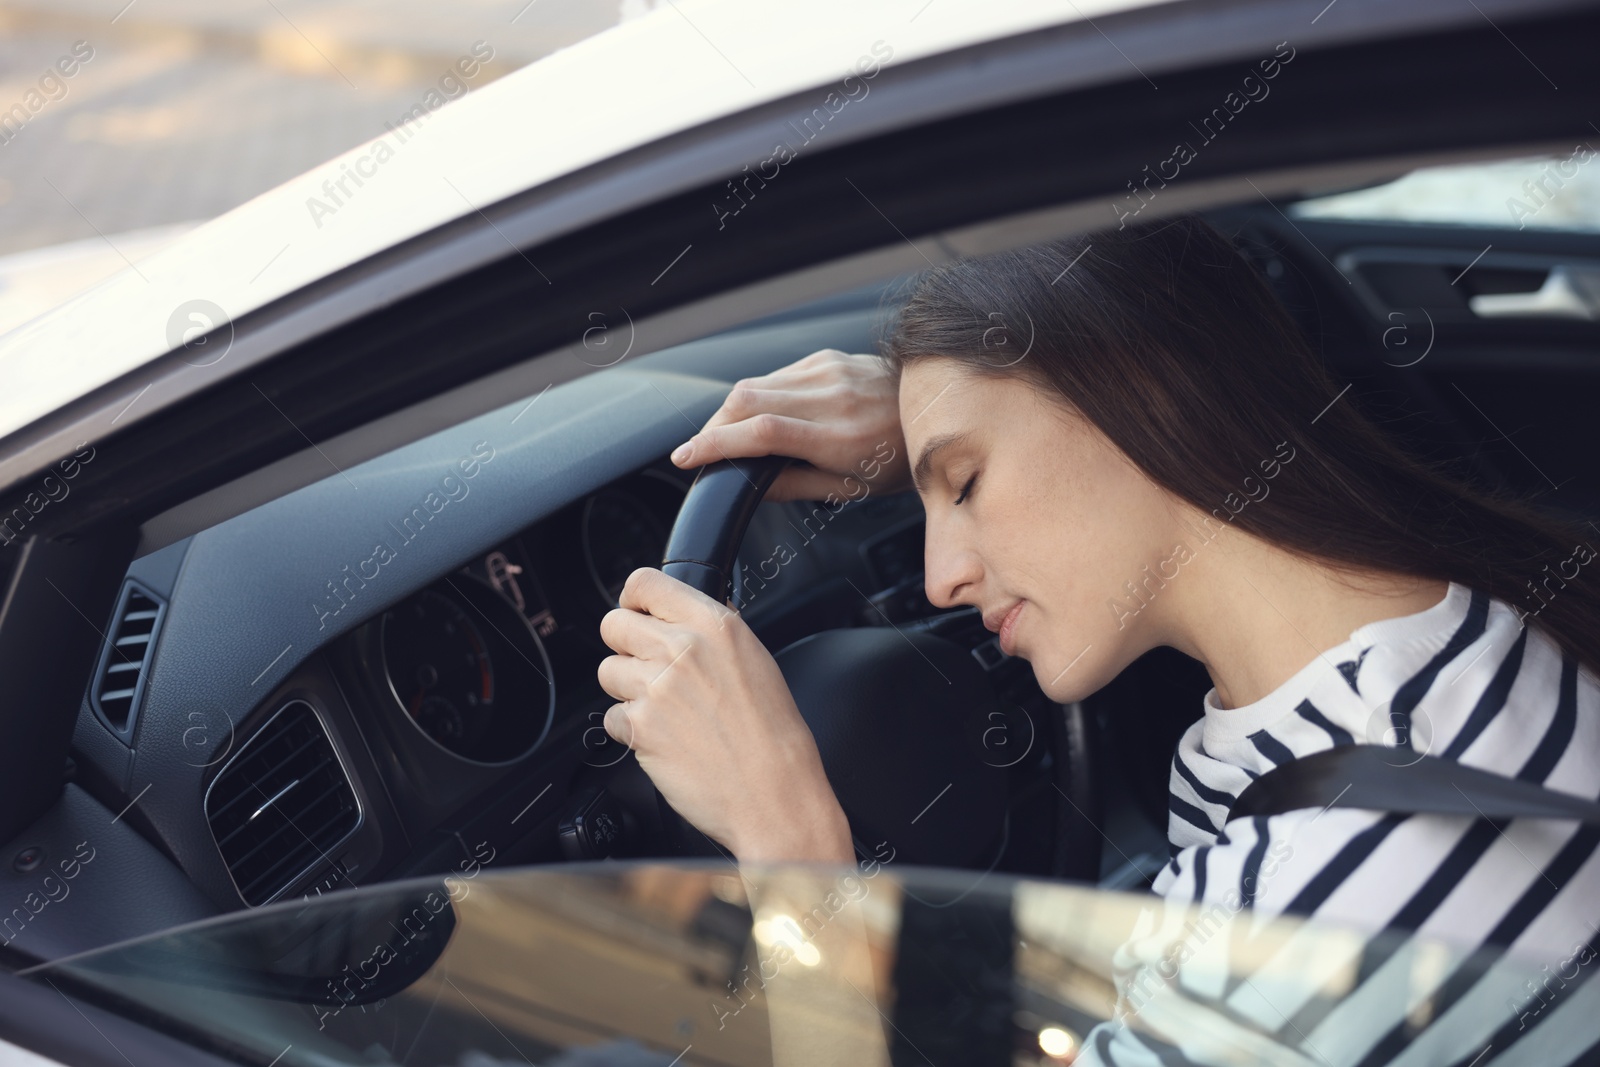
965 489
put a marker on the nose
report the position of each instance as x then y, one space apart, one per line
951 568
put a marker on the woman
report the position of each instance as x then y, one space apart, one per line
1122 441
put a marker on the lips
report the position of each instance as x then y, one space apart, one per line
1008 628
1004 623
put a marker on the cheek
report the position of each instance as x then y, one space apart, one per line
1079 520
1032 530
1097 524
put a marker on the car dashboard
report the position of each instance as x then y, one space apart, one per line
392 671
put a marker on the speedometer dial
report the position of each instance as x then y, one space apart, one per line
466 669
620 535
440 668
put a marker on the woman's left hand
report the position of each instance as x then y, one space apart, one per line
707 711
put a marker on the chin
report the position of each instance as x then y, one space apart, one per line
1064 680
1064 688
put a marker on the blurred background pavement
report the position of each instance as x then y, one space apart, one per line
187 108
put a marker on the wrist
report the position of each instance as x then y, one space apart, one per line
820 837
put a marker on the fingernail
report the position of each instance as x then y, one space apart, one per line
680 453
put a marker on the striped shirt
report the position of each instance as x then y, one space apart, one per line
1494 902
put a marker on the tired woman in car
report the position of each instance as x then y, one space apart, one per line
1122 441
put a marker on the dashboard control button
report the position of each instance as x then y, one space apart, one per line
594 828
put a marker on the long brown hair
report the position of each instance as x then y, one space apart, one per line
1165 337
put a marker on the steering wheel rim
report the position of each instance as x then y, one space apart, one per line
703 548
702 552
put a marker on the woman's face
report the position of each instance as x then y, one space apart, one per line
1057 519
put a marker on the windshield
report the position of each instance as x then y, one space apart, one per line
652 964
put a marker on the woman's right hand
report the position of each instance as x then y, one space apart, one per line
838 412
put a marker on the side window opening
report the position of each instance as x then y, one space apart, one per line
1555 192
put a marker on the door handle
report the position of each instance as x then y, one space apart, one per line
1567 293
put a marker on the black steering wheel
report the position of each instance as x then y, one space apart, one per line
703 548
905 716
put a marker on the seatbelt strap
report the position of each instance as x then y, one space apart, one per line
1373 778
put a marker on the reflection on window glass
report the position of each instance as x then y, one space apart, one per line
1557 192
641 965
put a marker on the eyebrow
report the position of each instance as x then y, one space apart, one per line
924 464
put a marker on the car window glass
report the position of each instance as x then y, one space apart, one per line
643 964
1556 192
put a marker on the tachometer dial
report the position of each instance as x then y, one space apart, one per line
440 668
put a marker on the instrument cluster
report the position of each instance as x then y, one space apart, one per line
475 662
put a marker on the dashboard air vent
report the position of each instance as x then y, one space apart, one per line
281 805
119 677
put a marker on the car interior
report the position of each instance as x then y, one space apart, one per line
389 670
449 713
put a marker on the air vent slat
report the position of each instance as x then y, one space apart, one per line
294 859
269 834
288 820
130 641
293 758
291 861
259 776
261 843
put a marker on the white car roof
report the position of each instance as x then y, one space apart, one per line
684 65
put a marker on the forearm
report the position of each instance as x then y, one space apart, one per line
815 960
